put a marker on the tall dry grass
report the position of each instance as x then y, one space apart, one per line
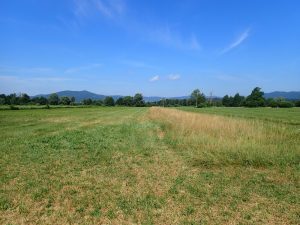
211 139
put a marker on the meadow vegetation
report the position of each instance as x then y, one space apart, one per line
279 115
121 165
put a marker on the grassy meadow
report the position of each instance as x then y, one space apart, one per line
118 165
282 115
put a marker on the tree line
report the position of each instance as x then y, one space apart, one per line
24 99
197 99
255 99
137 101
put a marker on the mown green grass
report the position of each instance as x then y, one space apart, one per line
125 166
283 115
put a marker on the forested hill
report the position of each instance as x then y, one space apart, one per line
291 95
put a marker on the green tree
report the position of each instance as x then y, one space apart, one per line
279 102
237 100
24 98
138 100
65 100
226 101
87 101
53 99
40 100
197 97
120 101
128 101
43 100
72 100
109 101
98 102
2 101
13 99
256 98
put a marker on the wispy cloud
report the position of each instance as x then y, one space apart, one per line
51 79
240 39
107 8
137 64
110 8
171 77
13 69
155 78
8 78
115 10
42 79
174 77
171 38
81 8
81 68
226 77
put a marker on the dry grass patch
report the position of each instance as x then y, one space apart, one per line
237 170
223 140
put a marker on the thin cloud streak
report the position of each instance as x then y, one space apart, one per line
81 68
137 64
174 77
108 9
8 69
43 79
171 77
168 37
115 11
237 42
155 78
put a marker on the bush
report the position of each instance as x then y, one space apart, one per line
280 103
202 105
12 107
285 104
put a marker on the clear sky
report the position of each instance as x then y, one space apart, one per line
159 48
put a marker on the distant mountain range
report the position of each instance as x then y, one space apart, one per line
80 95
291 95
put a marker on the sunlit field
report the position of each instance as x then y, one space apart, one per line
288 116
126 165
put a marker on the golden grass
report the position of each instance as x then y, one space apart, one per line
252 141
236 153
187 123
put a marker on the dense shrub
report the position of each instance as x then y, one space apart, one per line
280 103
12 107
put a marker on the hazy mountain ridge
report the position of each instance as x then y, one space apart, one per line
80 95
291 95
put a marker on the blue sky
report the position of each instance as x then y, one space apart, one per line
159 48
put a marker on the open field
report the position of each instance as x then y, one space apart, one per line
118 165
288 115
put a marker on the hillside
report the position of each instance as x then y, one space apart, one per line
292 95
79 95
